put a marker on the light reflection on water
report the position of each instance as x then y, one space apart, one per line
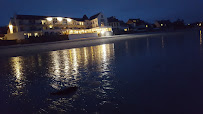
19 80
200 37
109 76
65 71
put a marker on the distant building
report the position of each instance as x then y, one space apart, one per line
25 26
118 26
137 24
114 23
163 24
196 24
124 26
98 20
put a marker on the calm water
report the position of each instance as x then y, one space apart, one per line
153 75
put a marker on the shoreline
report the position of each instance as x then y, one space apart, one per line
26 49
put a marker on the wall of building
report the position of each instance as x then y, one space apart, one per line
15 36
94 23
101 18
78 36
114 25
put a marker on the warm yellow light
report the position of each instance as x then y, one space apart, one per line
50 26
49 19
36 34
69 20
11 28
102 32
125 29
29 34
146 26
200 24
59 19
81 23
134 21
162 24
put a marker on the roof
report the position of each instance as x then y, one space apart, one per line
78 19
85 17
36 17
123 24
137 21
134 19
30 17
112 19
94 16
164 21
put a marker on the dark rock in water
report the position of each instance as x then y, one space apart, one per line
65 91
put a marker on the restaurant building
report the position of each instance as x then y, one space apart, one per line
25 26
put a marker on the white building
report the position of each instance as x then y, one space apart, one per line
25 26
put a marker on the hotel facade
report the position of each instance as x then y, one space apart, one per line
25 26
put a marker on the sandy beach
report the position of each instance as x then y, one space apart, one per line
25 49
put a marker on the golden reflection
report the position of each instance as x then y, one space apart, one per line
65 64
85 49
17 71
39 59
200 37
72 62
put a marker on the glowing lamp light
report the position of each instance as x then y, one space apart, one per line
146 26
102 32
69 20
162 24
200 24
59 19
11 28
50 26
49 19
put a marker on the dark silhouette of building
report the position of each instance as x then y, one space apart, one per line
118 26
163 24
137 25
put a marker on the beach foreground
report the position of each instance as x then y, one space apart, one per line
22 49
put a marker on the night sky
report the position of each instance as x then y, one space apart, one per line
148 10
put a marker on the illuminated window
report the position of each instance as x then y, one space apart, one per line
69 20
59 19
43 22
49 19
50 26
200 24
36 34
134 21
29 34
125 29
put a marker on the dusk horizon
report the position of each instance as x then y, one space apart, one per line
145 10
